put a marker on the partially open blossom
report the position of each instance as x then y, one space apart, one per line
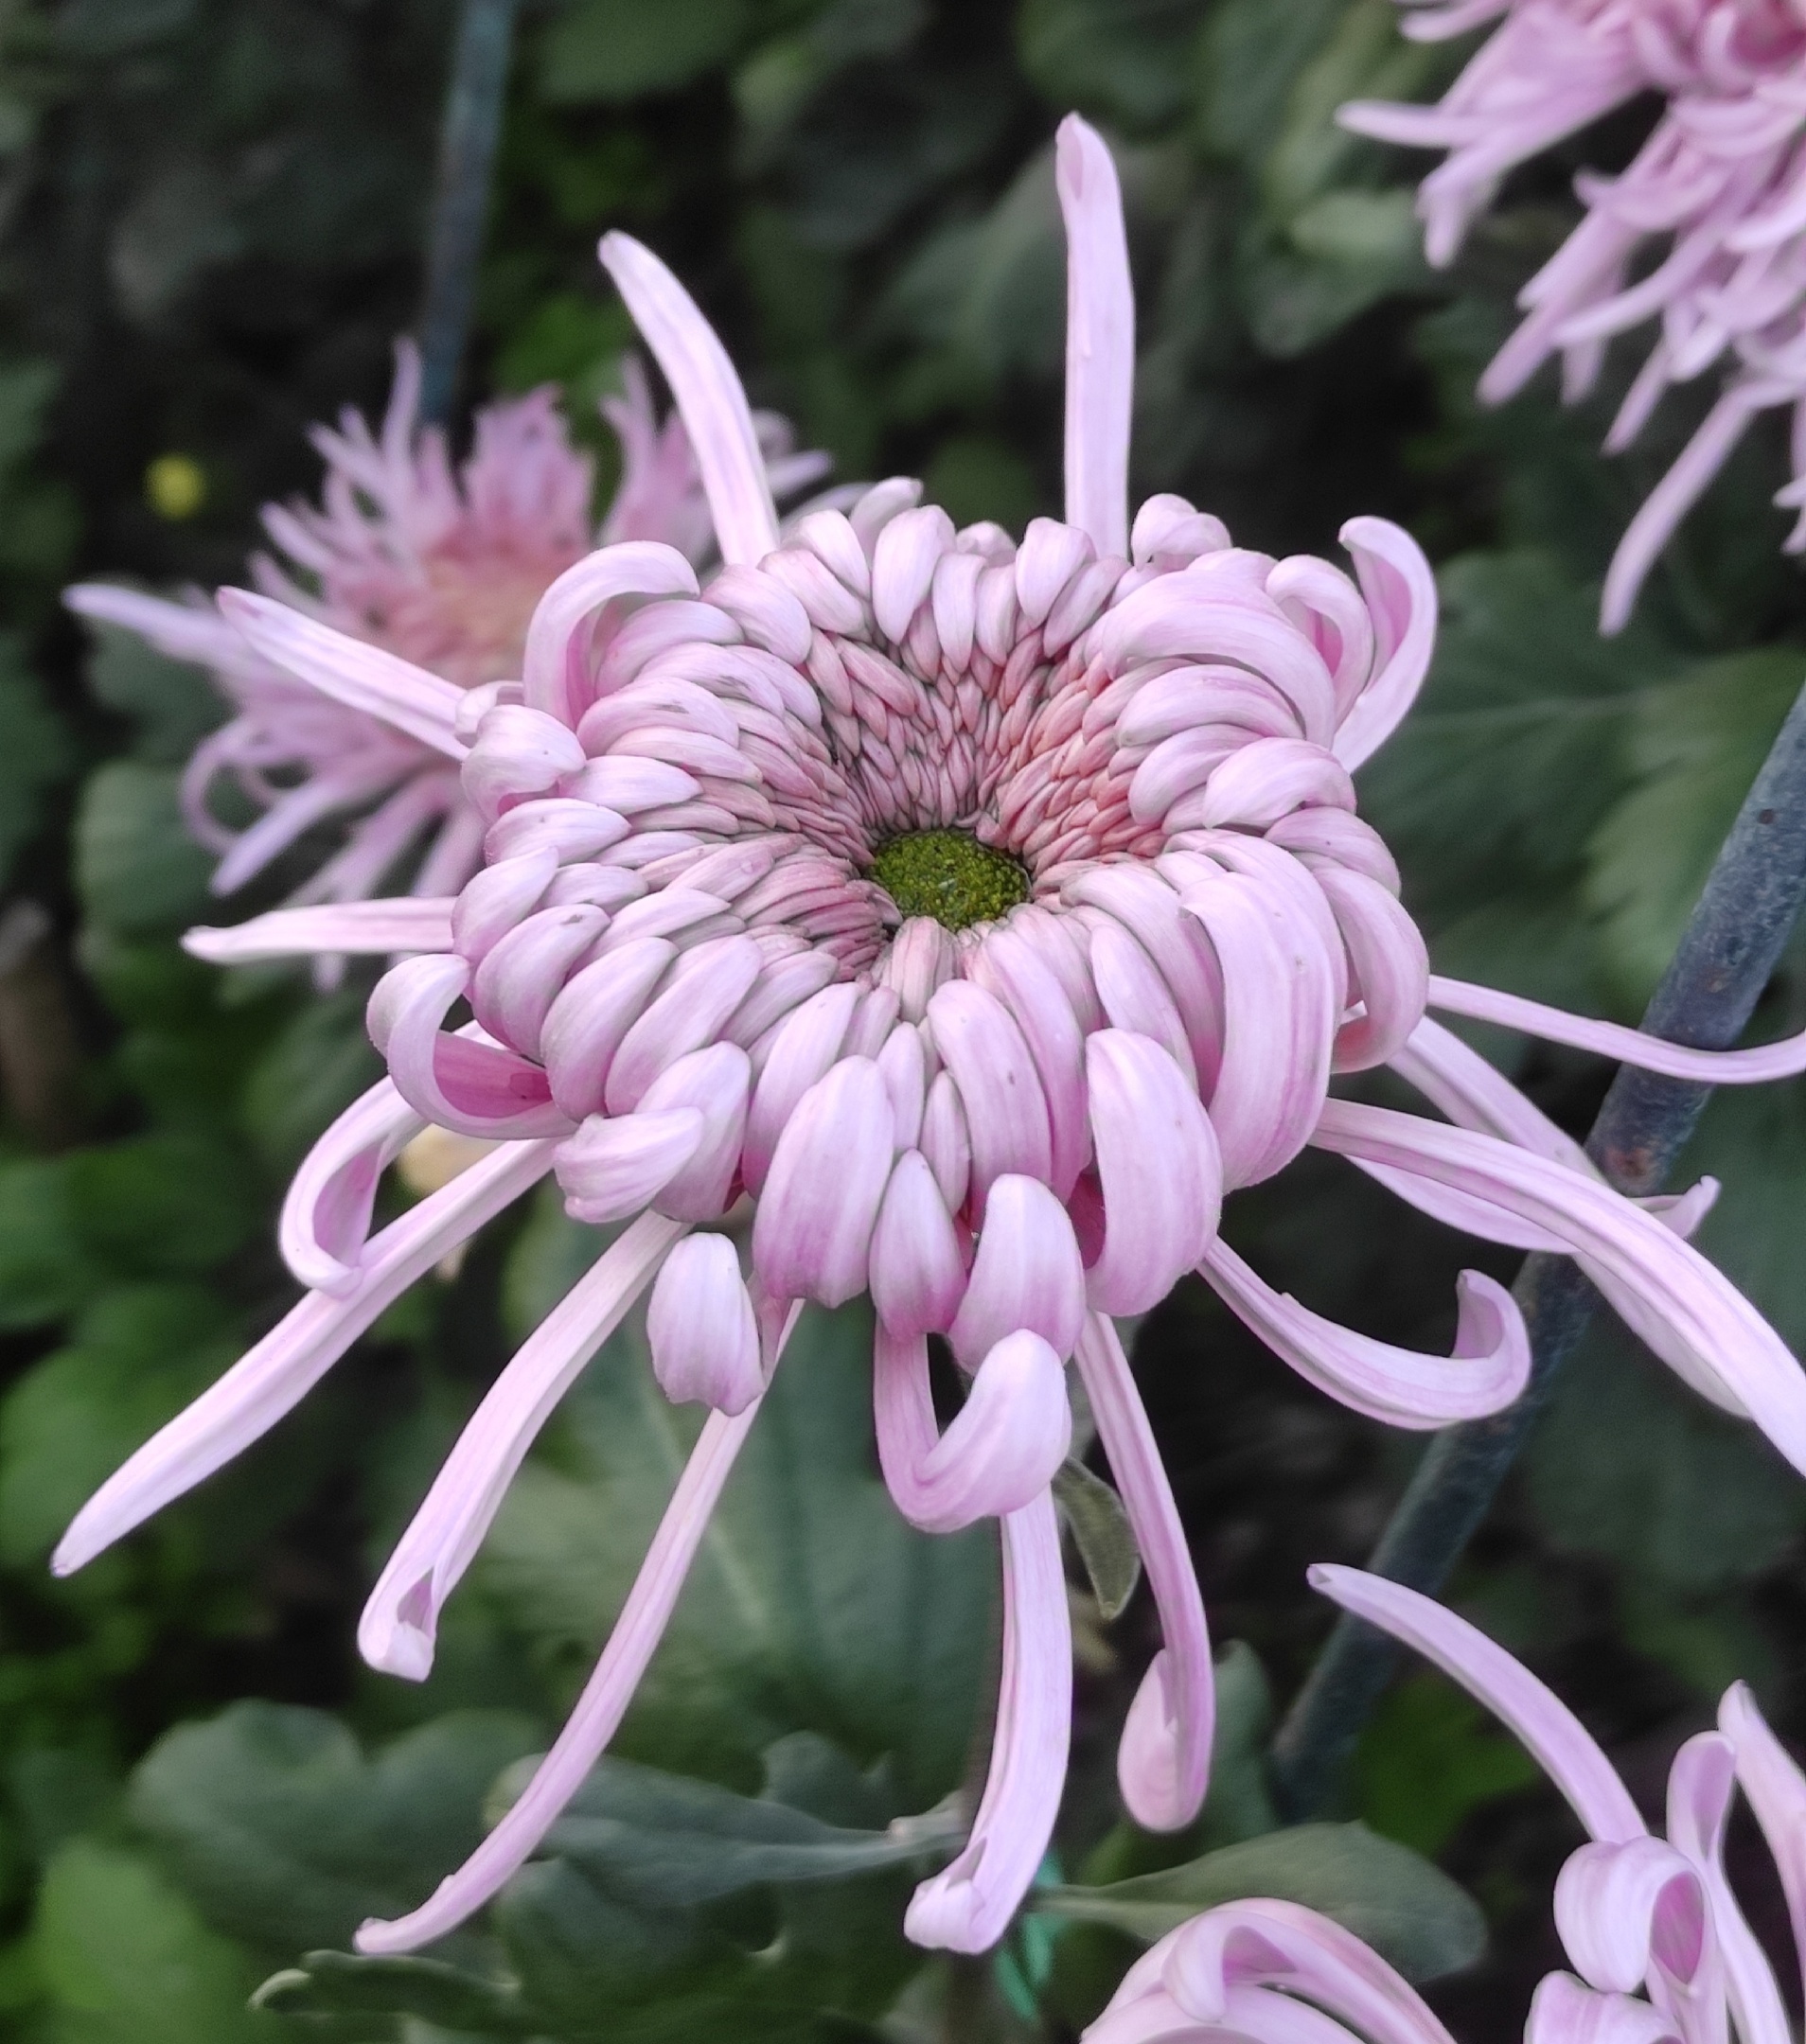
443 568
985 912
1659 1947
1716 196
1649 1923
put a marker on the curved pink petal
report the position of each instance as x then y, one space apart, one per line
552 664
1564 2011
1396 1385
1026 1274
274 1376
325 1212
1401 594
1164 1761
598 1711
1777 1793
812 1234
1560 1744
969 1905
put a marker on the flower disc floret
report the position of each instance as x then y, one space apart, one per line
948 876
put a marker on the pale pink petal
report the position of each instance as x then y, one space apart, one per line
903 562
593 1011
349 671
1158 1170
968 1907
1697 1322
807 1043
598 1711
522 754
1164 1760
400 1617
325 1212
1396 1385
1388 968
1099 338
700 1327
1567 1751
1026 1274
709 397
1757 1066
990 1061
1401 594
714 1081
1623 1909
1000 1448
813 1233
360 928
470 1087
1777 1793
1564 2011
276 1375
917 1276
612 1169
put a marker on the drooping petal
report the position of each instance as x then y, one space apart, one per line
325 1212
1157 1169
969 1905
1629 1910
917 1276
612 1169
277 1373
1777 1793
1560 1744
552 664
350 671
813 1233
358 928
701 1326
598 1711
1000 1448
1026 1274
1565 2012
1689 1314
1396 1385
708 397
1164 1760
1401 594
1099 338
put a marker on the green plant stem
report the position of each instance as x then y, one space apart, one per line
1726 955
460 197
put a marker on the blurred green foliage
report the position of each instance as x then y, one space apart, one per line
211 220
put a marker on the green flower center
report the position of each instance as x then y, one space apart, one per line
950 875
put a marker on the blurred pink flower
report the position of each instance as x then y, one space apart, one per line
443 569
982 911
1650 1924
1721 182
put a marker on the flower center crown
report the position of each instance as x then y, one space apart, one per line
948 875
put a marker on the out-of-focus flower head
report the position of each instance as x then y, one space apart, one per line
442 567
1719 190
1659 1947
982 912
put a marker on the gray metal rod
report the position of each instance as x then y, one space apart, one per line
1726 955
461 197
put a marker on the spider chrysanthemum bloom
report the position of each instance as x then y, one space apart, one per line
1716 194
1660 1949
441 566
983 913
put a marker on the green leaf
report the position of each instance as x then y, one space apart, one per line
162 1205
1516 751
1407 1910
138 1355
288 1836
329 1984
137 868
1101 1533
174 705
1124 60
811 1606
46 1268
313 1070
1692 748
664 1841
126 1960
1429 1756
617 50
1631 1464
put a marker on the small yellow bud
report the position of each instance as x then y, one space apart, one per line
175 486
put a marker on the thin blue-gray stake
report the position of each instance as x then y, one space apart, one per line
461 199
1728 954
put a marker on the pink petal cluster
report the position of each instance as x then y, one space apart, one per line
442 567
1718 192
1659 1947
684 989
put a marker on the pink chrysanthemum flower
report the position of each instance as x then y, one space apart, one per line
441 567
1720 187
1660 1948
983 913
